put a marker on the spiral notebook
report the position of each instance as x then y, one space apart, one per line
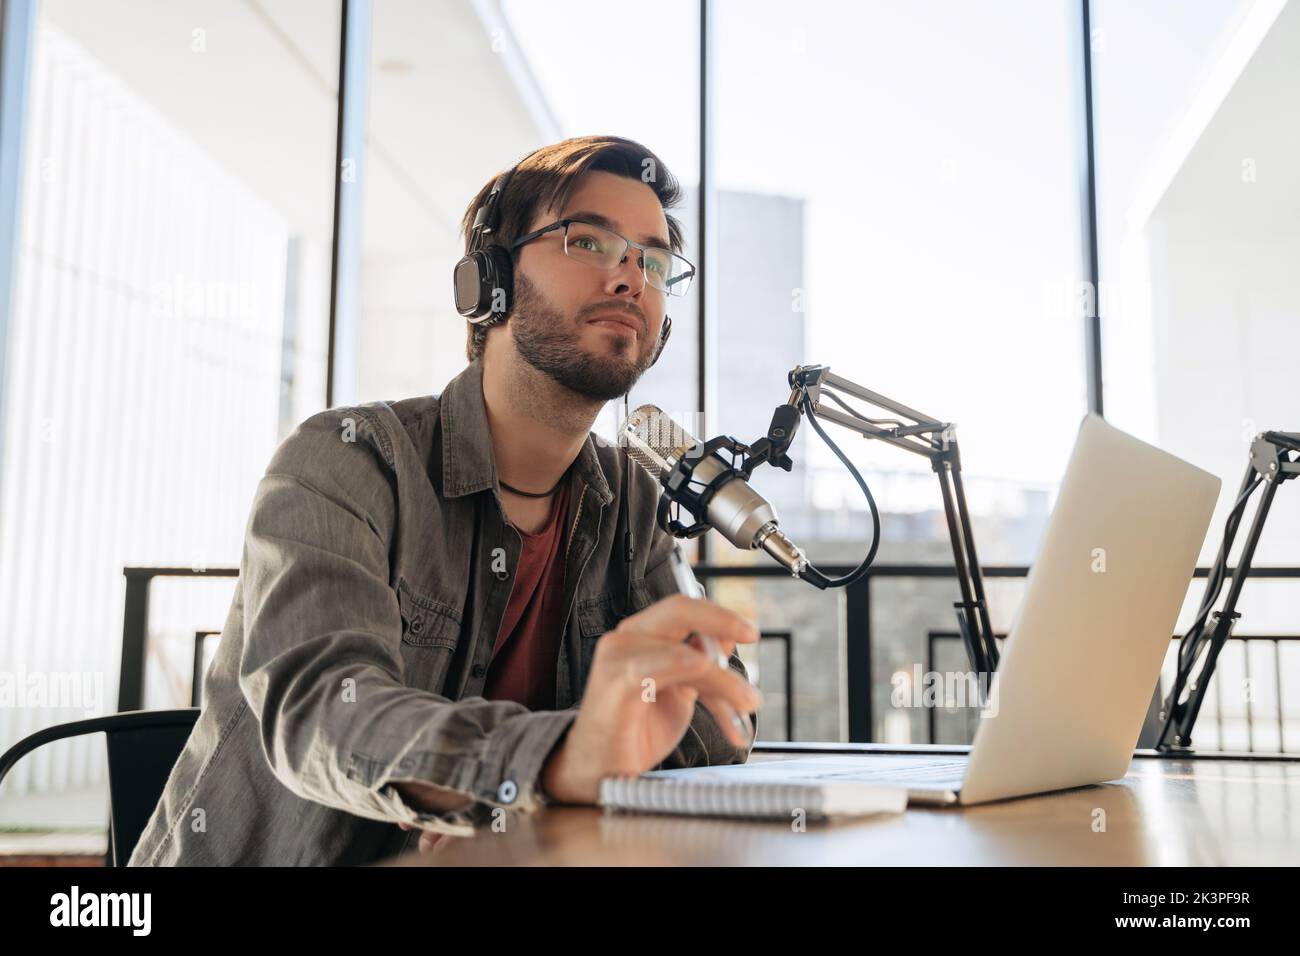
737 791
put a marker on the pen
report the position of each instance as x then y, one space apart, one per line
687 585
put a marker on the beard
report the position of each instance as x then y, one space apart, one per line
546 340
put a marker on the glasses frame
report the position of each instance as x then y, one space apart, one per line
564 224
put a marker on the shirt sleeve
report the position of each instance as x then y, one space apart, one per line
321 664
704 743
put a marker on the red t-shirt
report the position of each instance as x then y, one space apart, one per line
528 645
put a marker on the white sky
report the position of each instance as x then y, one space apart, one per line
934 146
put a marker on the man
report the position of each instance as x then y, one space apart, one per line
430 628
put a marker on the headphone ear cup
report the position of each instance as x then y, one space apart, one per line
484 280
664 331
500 289
467 285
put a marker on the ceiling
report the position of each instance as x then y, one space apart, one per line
260 98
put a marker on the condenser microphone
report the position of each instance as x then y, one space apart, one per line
699 480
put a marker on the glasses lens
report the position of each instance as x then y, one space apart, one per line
593 245
664 271
676 272
603 249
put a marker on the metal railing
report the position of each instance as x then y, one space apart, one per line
135 626
1216 719
858 620
786 637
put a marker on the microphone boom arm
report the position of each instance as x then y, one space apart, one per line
914 432
1274 458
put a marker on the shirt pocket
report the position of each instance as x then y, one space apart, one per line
430 635
599 615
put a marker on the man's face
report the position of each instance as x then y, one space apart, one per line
559 319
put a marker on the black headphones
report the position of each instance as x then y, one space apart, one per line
484 278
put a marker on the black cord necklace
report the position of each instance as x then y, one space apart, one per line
534 494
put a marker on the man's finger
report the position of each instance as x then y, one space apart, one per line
641 658
730 686
734 723
718 651
676 616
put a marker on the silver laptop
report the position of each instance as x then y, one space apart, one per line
1084 655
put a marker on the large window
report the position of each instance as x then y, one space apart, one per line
1199 234
168 327
458 92
898 199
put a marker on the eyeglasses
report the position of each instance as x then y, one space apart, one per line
605 249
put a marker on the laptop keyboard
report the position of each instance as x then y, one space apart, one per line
950 771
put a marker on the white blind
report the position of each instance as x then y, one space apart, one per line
143 392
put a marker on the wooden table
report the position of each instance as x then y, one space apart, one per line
1197 811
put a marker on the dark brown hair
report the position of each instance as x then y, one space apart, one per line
546 179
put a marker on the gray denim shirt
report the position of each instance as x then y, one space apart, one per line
376 569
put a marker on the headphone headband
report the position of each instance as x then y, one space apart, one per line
488 217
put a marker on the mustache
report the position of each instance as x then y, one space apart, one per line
630 311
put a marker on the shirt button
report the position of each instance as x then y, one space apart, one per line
502 574
478 670
507 792
417 625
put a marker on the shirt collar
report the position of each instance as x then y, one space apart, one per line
468 459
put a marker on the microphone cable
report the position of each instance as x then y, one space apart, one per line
810 573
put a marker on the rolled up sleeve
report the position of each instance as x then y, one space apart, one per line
321 662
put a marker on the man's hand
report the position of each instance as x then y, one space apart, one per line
428 838
641 693
431 799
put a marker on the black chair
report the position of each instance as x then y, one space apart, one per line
143 746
